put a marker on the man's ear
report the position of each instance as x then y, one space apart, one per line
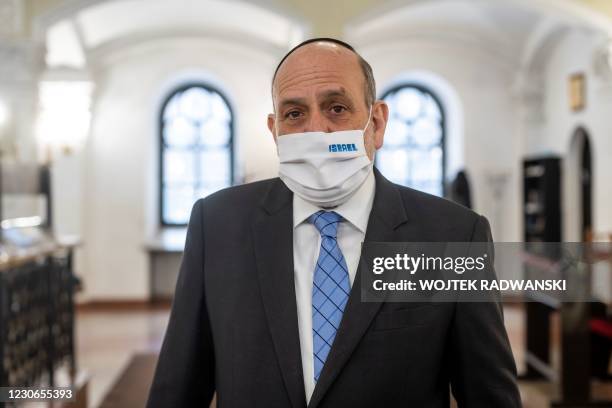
380 116
271 127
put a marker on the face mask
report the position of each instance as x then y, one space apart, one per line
324 168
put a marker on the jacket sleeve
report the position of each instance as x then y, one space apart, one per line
184 376
483 372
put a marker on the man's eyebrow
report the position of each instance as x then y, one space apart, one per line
292 101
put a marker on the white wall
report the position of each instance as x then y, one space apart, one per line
576 53
121 169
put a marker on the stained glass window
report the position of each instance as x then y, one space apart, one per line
196 150
413 151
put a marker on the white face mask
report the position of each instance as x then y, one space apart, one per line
324 168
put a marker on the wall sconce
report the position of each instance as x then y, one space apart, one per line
64 116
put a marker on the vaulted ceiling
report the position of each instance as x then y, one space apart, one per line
515 29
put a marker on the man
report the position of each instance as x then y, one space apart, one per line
267 309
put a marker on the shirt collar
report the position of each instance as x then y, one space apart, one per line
355 210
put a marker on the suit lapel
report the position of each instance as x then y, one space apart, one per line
386 215
273 242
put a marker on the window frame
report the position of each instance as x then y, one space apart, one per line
436 99
160 117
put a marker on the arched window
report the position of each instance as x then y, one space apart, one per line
196 131
413 151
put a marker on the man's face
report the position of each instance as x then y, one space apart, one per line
321 87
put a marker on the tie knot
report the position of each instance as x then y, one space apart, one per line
326 222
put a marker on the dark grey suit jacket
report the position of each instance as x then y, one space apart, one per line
233 327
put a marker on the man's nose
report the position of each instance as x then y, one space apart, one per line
317 123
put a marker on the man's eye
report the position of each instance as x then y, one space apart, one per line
293 114
338 109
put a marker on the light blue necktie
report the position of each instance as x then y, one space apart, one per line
330 289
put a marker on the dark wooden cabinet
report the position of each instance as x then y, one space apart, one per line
542 199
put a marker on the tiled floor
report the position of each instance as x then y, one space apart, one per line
106 340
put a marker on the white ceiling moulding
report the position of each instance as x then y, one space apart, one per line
529 85
103 21
101 54
496 52
111 20
542 40
11 18
569 11
495 30
498 23
500 20
64 47
66 10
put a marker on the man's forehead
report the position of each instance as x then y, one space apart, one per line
316 63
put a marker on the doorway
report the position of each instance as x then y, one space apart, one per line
578 189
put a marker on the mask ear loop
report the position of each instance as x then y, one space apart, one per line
369 118
366 127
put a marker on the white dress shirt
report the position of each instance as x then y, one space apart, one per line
306 245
